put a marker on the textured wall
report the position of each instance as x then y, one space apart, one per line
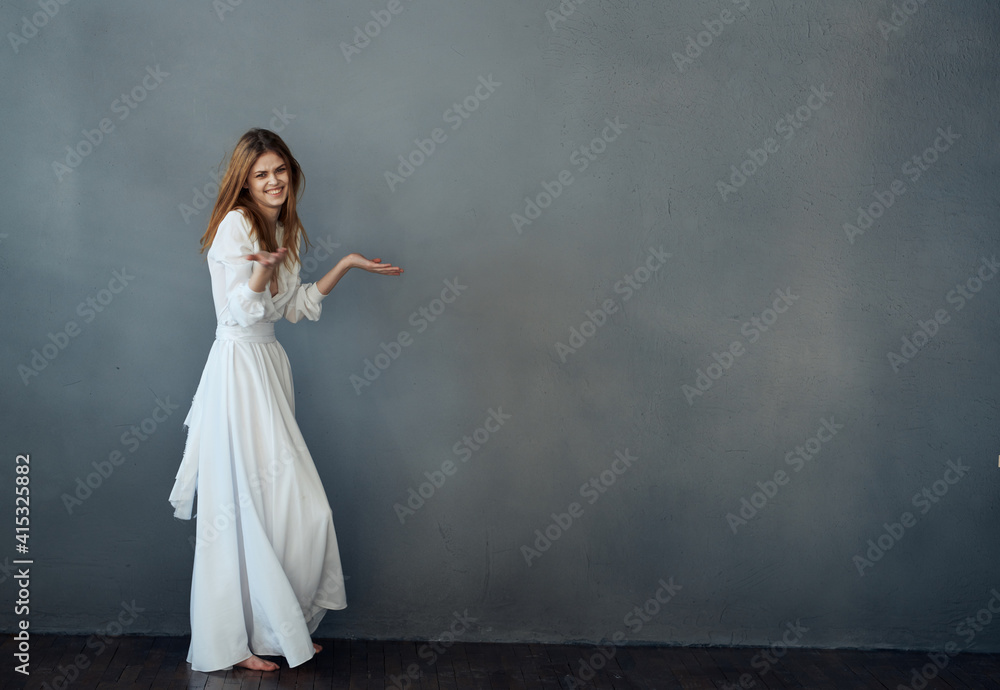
689 286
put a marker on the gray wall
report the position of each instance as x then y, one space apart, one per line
850 299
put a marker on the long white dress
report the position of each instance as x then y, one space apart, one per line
266 563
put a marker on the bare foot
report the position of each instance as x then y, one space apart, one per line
317 647
255 663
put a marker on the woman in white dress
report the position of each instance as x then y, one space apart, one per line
266 563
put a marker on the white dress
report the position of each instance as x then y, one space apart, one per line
266 562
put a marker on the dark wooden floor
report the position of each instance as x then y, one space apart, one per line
62 662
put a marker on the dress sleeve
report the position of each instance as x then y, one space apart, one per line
231 245
306 300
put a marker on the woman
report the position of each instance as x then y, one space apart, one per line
266 564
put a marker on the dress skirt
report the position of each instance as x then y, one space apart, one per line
266 563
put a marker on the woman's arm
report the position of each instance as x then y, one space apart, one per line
241 287
306 299
355 260
265 264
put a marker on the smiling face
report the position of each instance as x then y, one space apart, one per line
268 183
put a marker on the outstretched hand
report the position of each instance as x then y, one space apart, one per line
374 265
268 259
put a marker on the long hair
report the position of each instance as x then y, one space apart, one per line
232 195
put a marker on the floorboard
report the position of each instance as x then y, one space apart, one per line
154 663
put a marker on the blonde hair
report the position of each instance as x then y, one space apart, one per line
232 195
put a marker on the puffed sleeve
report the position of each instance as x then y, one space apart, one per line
306 300
231 245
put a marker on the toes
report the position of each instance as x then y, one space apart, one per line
255 663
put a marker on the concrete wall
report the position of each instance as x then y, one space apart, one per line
746 138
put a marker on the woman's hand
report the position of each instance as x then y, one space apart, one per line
373 265
333 276
264 266
268 259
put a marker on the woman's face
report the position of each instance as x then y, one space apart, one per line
268 182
